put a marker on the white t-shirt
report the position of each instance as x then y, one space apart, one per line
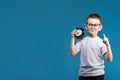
91 56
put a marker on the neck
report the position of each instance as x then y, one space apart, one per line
92 36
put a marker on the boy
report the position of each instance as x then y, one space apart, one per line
92 50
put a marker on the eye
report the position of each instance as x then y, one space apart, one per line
95 24
90 24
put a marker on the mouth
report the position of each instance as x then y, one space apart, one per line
93 30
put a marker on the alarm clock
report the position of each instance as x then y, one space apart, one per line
80 33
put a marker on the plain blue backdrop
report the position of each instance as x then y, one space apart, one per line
35 37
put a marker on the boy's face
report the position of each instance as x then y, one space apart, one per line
93 26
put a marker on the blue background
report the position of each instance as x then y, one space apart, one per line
35 37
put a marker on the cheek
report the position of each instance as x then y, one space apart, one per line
100 28
93 30
87 28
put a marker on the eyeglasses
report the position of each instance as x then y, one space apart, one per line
91 25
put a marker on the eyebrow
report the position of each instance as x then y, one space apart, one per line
93 23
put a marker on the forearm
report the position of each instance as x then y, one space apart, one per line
72 47
109 55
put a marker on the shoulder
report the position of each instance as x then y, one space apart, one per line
85 38
100 41
82 40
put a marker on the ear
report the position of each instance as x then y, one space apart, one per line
100 28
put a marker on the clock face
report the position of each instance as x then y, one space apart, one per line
79 32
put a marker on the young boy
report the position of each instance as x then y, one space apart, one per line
92 50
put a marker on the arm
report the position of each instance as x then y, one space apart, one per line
108 54
73 51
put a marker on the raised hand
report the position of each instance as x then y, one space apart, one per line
73 33
105 40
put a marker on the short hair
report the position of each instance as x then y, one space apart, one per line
94 15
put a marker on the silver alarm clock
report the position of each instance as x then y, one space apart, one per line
80 33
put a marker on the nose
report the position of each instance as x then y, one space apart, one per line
93 26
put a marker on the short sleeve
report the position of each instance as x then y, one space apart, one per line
77 46
103 49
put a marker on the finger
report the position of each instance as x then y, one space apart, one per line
104 36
